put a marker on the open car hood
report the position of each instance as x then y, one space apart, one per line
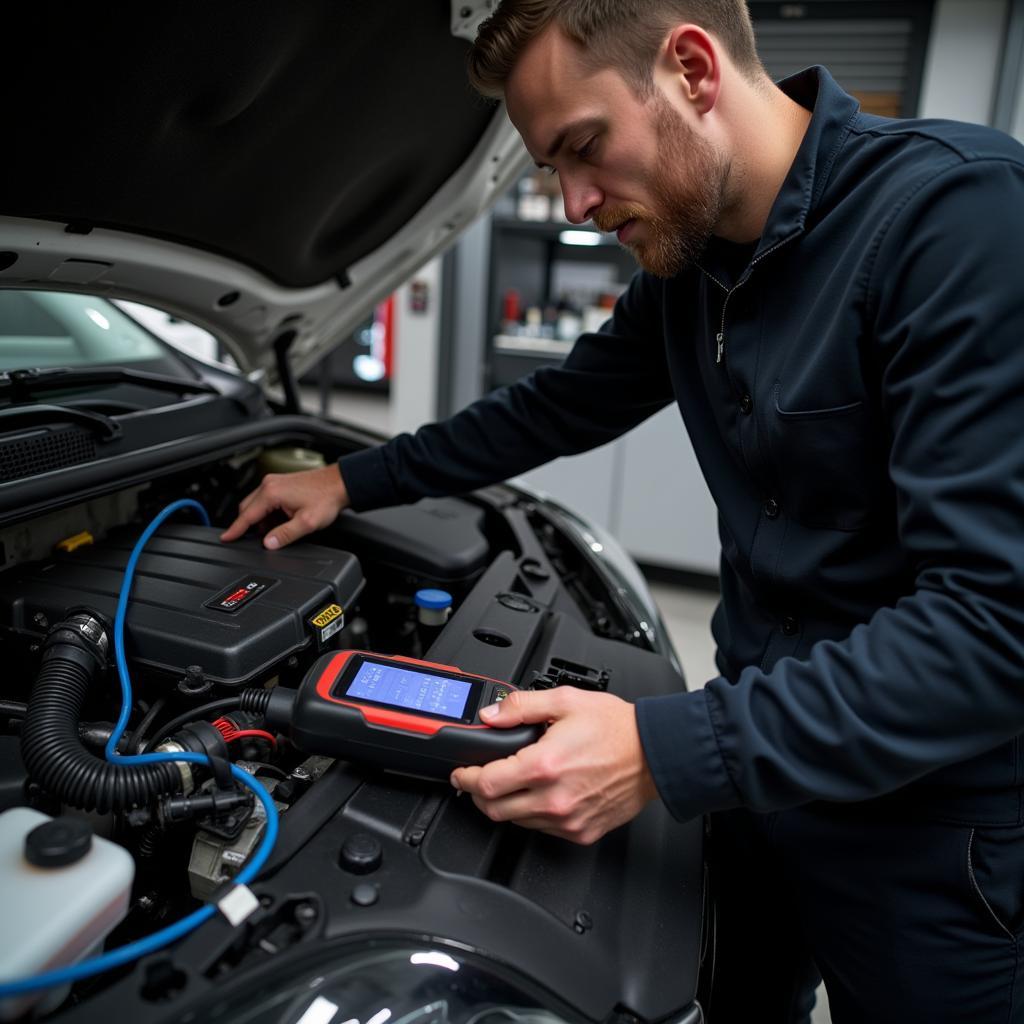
268 171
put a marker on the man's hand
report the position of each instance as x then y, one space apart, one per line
311 499
585 776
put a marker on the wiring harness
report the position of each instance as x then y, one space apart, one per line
115 762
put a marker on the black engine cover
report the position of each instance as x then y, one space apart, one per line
236 610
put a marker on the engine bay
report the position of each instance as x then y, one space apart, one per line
365 857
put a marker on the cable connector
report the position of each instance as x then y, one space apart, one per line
220 804
231 731
238 905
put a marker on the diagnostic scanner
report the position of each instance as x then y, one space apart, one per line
399 713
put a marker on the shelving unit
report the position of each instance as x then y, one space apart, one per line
526 256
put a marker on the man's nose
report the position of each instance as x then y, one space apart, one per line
581 199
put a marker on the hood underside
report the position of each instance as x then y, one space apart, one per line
287 158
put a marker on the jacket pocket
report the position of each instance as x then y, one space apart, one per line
830 463
995 869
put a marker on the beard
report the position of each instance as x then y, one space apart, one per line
688 192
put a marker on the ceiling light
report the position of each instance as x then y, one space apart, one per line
579 238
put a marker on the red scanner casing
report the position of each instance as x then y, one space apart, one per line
325 720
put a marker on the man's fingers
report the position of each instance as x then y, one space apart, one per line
497 789
523 708
529 766
253 513
301 523
298 526
235 530
250 498
497 779
530 809
535 765
312 499
520 807
465 779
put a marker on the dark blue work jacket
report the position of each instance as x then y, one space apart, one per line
854 392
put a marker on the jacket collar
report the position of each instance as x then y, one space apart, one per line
832 111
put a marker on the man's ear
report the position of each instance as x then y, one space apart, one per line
690 56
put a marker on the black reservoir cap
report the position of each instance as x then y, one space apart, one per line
57 843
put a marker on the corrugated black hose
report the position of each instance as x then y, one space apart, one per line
73 654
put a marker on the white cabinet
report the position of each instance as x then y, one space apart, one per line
647 490
666 515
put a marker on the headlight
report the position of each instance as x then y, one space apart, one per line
388 982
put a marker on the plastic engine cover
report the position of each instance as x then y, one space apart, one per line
236 610
438 539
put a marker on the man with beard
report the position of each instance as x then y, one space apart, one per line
825 295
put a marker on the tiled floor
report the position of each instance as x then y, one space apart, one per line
687 613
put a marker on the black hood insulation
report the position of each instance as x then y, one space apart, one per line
293 137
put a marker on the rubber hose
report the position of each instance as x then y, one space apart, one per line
135 744
255 701
54 754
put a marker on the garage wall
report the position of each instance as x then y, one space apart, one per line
416 371
963 60
1009 111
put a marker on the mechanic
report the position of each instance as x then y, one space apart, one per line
830 299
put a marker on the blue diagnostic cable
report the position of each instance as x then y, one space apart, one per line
151 943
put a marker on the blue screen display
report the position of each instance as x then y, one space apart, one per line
410 689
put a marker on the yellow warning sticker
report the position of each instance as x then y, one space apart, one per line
328 622
327 616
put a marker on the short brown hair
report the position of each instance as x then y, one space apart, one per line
624 34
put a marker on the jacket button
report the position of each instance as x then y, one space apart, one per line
746 405
790 627
771 508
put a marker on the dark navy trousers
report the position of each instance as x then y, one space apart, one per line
908 921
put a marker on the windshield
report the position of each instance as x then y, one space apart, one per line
48 329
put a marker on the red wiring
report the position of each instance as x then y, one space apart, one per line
230 732
262 733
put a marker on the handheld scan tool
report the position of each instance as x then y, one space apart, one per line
400 713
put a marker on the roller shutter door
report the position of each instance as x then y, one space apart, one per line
874 50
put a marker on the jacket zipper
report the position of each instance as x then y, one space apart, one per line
720 336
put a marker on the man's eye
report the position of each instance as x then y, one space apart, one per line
585 150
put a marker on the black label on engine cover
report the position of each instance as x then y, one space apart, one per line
240 593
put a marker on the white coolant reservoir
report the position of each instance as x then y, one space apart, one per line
62 890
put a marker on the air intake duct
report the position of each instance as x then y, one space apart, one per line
73 654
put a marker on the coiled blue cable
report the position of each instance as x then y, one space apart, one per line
164 937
